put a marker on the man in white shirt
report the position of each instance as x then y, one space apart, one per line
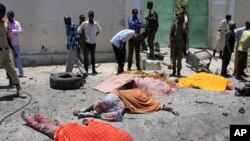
119 47
221 35
91 29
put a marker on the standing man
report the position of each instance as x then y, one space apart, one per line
72 37
229 48
81 39
186 22
221 34
242 51
15 29
119 47
135 24
238 33
178 40
91 30
6 60
152 25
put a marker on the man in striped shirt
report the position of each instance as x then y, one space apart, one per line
72 44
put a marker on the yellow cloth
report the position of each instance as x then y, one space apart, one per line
206 81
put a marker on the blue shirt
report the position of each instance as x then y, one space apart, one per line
238 32
122 36
72 36
134 23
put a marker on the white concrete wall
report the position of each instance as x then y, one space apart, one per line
239 9
218 9
43 25
242 13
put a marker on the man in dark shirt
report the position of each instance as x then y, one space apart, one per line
152 25
178 40
229 48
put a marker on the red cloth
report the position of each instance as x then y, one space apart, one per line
95 131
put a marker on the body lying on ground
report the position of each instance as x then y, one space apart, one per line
206 81
91 131
113 105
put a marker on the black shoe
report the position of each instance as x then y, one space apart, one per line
178 74
85 75
172 74
94 72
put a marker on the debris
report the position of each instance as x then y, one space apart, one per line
205 102
242 110
221 107
225 114
31 78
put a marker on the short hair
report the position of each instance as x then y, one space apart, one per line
2 9
81 16
247 23
134 10
150 2
67 17
11 13
228 17
91 13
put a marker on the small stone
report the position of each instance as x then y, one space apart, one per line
242 110
225 114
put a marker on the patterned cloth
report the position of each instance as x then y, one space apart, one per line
154 86
114 106
95 131
72 36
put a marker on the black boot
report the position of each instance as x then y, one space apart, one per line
214 52
220 54
179 73
94 71
173 74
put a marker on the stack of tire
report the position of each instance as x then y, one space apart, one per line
66 81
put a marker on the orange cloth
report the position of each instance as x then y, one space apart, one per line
206 81
95 131
138 101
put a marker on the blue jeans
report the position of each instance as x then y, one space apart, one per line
18 60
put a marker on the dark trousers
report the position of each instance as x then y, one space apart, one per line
120 55
150 35
143 43
89 48
241 63
134 45
151 39
225 60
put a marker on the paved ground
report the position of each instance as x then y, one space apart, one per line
197 121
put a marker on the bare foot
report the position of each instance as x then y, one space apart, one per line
166 108
76 112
